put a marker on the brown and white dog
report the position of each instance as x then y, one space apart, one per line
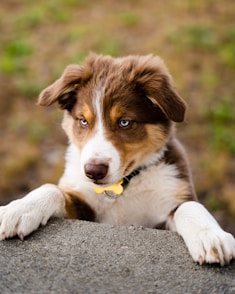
124 165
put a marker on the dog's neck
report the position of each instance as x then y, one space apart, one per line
116 190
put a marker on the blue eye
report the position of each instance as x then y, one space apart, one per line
124 123
83 122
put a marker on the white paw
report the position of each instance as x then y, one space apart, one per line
212 246
206 241
19 218
23 216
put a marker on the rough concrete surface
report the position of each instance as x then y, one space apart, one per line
81 257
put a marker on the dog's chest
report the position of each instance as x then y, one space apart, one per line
147 200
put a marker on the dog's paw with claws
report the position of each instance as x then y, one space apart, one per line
19 218
23 216
207 242
213 246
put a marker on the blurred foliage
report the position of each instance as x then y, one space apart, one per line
222 119
196 38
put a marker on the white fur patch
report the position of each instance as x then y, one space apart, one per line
23 216
98 150
145 201
206 241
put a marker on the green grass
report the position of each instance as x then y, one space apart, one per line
109 45
33 131
18 48
222 125
14 55
226 54
128 19
214 204
32 17
199 36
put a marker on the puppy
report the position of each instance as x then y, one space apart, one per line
124 165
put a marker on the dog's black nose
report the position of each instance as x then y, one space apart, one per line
96 171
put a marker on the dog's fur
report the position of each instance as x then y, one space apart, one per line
119 115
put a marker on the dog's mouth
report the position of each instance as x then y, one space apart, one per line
105 183
109 180
100 183
115 188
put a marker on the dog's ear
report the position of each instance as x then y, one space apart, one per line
152 76
65 88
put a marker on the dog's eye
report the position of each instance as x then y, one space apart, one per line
124 123
83 122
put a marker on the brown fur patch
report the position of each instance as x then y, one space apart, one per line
83 109
65 88
149 128
185 192
141 74
82 133
77 208
175 154
88 115
152 139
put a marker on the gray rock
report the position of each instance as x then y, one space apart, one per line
81 257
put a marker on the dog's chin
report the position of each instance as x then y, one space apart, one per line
100 183
106 182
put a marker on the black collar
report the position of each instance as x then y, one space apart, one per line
127 179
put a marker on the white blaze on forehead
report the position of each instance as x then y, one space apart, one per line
98 149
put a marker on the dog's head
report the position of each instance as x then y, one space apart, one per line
118 112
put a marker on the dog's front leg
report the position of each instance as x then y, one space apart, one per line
206 241
23 216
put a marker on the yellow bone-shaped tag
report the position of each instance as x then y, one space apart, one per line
115 188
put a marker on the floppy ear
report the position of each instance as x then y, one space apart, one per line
64 89
155 81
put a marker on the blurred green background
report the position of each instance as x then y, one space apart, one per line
195 38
